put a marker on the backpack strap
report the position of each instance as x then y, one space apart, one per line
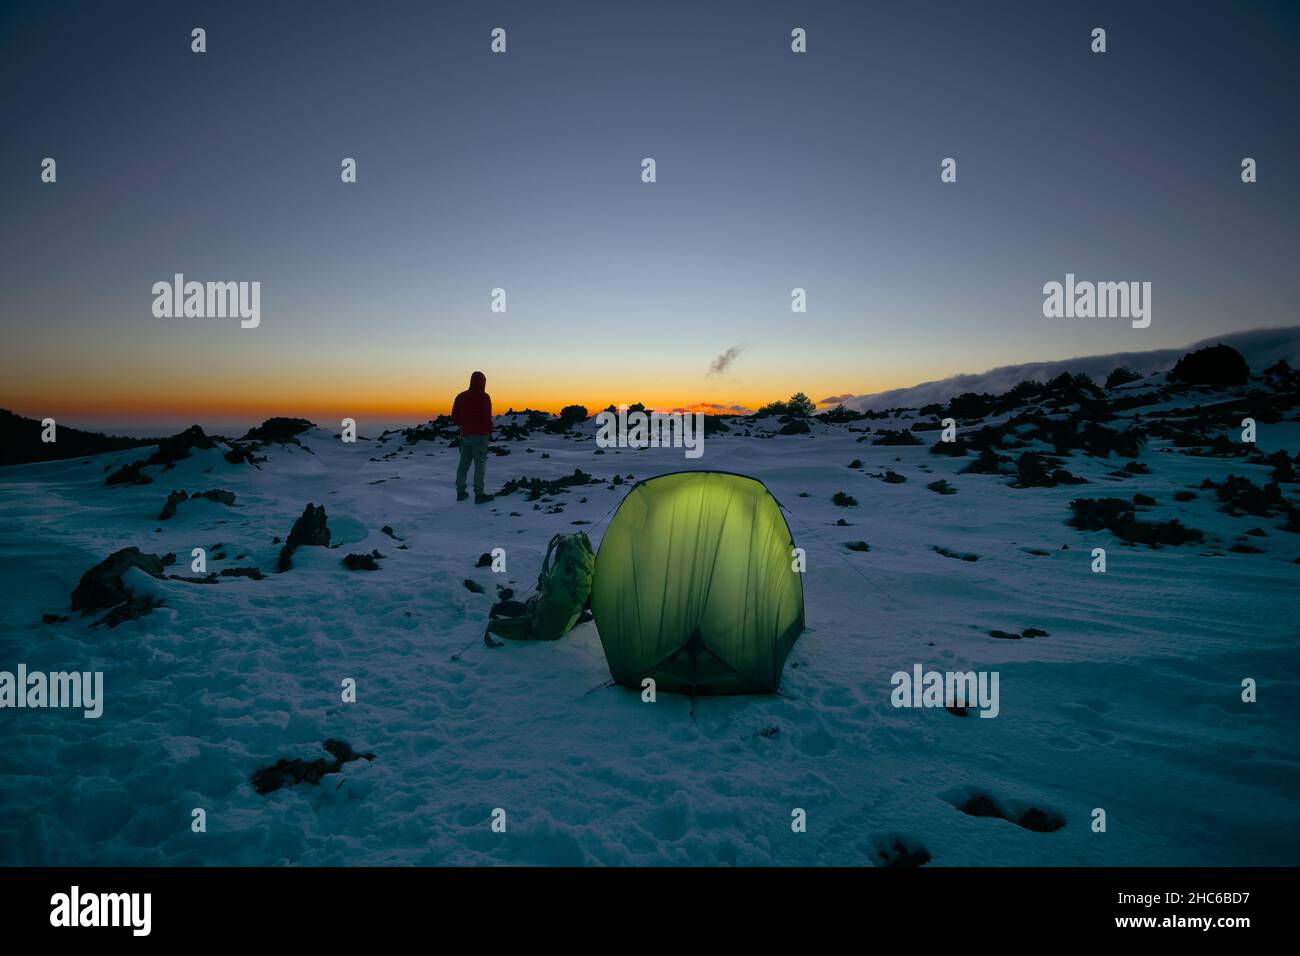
546 561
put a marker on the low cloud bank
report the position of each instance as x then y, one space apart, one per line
1260 347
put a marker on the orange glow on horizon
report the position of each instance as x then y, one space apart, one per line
404 398
127 408
151 386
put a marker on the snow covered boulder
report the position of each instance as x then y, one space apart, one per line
101 587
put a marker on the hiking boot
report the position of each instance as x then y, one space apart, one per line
462 495
483 499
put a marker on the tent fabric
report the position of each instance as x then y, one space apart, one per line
695 586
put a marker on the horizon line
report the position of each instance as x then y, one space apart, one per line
156 414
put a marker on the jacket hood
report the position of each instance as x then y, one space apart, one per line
477 382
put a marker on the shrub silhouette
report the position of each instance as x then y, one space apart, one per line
1121 376
840 415
1117 516
801 405
1215 365
987 463
886 436
570 415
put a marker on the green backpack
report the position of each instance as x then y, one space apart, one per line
563 588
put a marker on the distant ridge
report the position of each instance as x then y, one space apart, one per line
20 441
1260 347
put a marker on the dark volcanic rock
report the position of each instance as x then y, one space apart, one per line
949 553
361 562
537 487
210 578
279 431
309 529
1245 549
443 428
129 610
169 506
253 573
243 454
102 587
129 475
179 446
285 772
219 495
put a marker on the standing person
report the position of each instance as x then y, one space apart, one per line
472 413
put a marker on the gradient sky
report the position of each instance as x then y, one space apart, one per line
522 171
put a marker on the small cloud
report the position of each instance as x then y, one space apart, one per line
715 408
723 361
836 399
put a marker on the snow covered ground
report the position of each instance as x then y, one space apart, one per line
1132 703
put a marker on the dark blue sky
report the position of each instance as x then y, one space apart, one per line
522 171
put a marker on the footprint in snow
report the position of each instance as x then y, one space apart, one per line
1029 817
892 850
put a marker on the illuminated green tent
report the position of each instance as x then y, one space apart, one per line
695 586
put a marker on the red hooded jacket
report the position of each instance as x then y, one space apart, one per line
472 410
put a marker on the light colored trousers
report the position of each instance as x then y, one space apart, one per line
473 448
